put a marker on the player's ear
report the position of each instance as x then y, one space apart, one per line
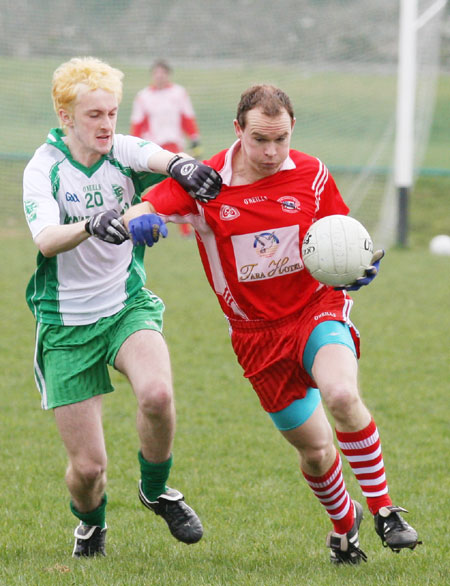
294 120
65 117
237 128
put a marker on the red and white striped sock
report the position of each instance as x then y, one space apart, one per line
363 452
331 492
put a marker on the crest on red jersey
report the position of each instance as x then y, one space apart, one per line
229 213
289 204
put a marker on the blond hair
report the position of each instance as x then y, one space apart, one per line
88 72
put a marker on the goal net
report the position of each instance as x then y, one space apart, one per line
336 59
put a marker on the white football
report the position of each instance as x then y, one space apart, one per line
440 244
337 250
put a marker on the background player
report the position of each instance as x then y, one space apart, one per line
88 297
292 336
163 113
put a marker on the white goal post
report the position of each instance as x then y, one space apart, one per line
409 25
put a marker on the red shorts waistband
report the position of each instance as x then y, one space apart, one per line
262 324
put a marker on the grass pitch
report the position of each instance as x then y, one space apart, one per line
262 524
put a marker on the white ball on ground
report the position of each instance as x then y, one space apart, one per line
440 244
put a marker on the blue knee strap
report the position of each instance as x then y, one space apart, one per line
297 412
327 332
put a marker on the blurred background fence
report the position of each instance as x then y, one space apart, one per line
336 59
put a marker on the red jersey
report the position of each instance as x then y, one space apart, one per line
250 236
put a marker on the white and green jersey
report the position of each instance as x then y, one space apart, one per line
95 279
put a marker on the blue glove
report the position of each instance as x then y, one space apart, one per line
146 229
370 275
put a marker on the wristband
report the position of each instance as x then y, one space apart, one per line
172 162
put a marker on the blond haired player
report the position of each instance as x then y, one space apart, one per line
292 336
88 297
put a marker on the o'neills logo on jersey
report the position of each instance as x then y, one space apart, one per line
255 199
325 314
229 213
289 204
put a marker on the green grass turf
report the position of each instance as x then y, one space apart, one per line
262 525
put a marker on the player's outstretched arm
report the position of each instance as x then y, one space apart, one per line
137 210
370 275
144 226
199 180
147 229
107 226
53 240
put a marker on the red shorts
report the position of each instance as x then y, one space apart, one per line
271 352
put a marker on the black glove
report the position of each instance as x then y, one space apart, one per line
199 180
107 226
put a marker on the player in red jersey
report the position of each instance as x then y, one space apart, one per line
292 335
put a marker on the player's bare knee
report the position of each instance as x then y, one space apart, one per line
156 399
316 458
89 472
341 399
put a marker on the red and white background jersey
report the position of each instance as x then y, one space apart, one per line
250 236
164 116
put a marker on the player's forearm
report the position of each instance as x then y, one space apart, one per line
157 162
138 210
56 239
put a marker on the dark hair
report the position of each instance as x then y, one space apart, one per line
161 63
269 98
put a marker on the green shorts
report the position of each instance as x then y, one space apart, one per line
71 362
